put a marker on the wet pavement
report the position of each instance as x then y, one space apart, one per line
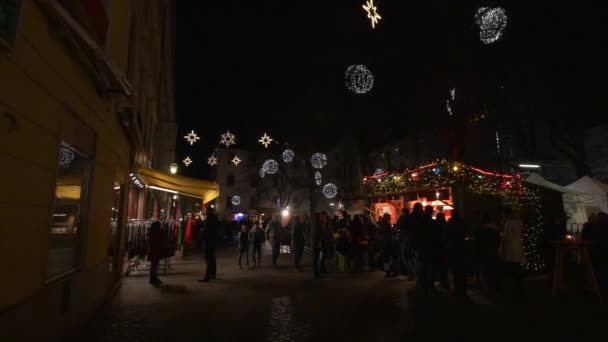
286 305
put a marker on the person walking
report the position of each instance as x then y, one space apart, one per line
244 245
315 242
386 244
297 241
327 242
209 237
456 235
273 233
156 242
256 236
430 246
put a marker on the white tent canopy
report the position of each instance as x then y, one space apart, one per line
596 188
579 201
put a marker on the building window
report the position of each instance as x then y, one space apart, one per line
230 180
68 211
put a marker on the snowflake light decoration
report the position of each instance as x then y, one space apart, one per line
330 190
191 137
270 166
235 200
372 12
66 156
448 107
262 173
453 94
359 79
212 160
265 140
318 160
318 178
491 21
187 161
228 139
288 156
236 160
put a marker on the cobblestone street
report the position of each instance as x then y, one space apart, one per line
286 305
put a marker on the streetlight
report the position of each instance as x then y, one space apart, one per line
285 212
173 168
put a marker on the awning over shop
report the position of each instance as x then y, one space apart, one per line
205 190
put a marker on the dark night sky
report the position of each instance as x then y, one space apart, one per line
278 67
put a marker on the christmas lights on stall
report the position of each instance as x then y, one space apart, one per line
191 137
359 79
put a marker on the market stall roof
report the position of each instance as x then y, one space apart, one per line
537 179
589 185
205 190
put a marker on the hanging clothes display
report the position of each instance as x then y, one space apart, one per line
188 238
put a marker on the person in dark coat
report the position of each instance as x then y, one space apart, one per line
209 237
297 240
430 248
315 241
456 235
273 233
327 242
243 245
257 239
386 244
156 243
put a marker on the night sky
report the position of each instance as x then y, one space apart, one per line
278 67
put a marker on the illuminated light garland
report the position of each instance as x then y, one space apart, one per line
236 160
212 160
187 161
491 22
359 79
288 155
318 178
236 200
265 140
66 156
330 190
270 166
509 188
448 107
372 12
453 94
228 139
192 137
318 160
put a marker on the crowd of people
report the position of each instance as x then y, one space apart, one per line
422 246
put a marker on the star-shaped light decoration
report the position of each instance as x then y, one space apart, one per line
228 139
191 137
372 12
187 161
212 160
265 140
236 160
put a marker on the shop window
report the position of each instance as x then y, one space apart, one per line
230 180
68 211
113 250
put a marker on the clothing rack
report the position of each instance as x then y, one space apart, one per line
137 242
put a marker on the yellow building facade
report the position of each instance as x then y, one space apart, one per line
80 104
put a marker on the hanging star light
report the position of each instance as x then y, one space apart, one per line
359 79
236 200
228 139
330 190
318 160
187 161
236 160
270 166
288 156
491 21
212 160
372 12
66 156
318 178
191 137
265 140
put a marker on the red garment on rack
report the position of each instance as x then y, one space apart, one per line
188 235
